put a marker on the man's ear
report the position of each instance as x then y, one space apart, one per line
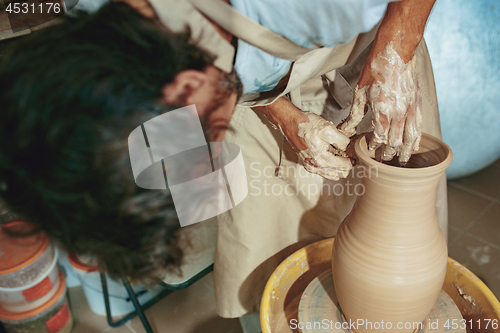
186 85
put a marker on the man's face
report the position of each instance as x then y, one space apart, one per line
225 90
221 95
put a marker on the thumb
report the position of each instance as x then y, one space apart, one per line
348 127
334 137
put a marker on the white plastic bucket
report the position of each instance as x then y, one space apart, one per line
33 295
72 280
119 299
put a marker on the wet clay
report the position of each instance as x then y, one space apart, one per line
320 135
395 103
357 113
389 255
472 312
391 100
319 311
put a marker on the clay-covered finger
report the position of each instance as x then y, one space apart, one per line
328 173
328 165
418 118
332 135
325 159
348 127
410 137
321 172
413 131
405 153
330 161
381 122
395 139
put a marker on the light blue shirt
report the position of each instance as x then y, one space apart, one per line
311 24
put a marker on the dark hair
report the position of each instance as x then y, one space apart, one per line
69 96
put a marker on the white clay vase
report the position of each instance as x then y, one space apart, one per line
389 256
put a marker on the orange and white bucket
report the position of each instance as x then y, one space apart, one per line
52 317
33 295
23 259
28 269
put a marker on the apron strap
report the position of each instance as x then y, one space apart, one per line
179 14
248 30
308 63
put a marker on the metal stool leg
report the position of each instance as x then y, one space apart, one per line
138 308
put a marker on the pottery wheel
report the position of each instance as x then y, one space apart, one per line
319 304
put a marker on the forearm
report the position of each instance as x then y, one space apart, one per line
312 138
388 83
403 24
282 112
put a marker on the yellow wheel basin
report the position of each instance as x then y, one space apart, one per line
281 296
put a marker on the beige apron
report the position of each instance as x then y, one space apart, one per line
287 207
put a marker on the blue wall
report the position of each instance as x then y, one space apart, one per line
463 37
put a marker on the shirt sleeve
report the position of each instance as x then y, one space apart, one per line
310 24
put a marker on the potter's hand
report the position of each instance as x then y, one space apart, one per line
388 83
314 150
389 86
312 138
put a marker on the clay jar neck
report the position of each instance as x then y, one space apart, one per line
420 176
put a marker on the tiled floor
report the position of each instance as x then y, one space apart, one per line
474 224
191 310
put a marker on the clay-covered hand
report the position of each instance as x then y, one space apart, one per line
316 141
319 135
389 87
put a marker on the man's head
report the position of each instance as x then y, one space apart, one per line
70 95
